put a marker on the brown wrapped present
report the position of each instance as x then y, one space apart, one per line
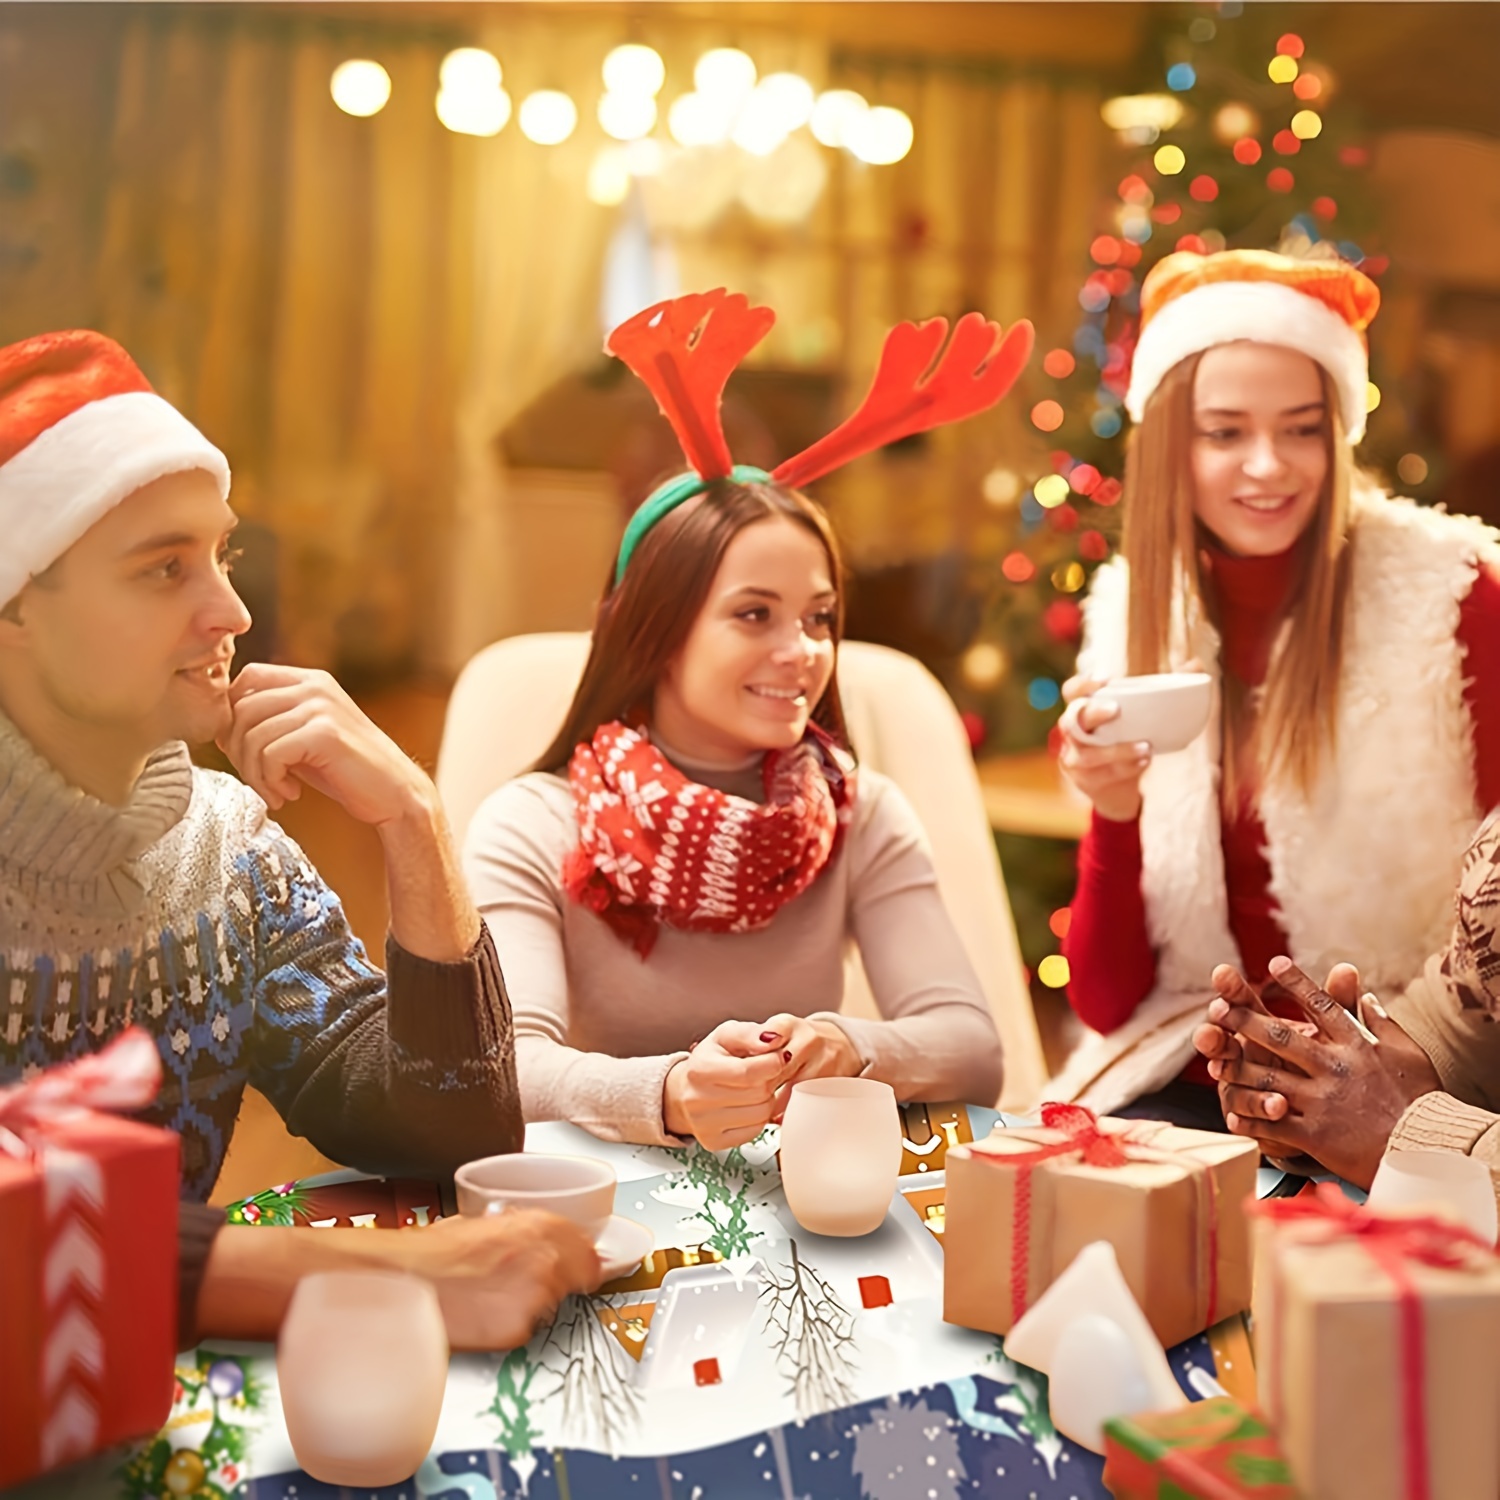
1022 1203
1378 1350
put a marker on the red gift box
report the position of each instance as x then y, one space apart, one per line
88 1260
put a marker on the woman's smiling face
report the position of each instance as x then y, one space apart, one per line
761 652
1260 446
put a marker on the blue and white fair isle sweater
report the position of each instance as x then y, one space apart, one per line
189 912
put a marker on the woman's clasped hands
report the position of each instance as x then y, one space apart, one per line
736 1080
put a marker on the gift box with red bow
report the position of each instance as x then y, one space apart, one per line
1377 1350
1022 1203
1209 1450
88 1260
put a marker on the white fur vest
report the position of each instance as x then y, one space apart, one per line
1364 869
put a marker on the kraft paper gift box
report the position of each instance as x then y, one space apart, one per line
1377 1350
88 1263
1022 1203
1209 1450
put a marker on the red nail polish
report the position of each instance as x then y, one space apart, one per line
786 1057
770 1036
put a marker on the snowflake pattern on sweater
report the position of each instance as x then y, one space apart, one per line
234 988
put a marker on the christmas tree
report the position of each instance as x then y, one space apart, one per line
1234 140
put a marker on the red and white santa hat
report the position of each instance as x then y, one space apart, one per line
80 429
1320 308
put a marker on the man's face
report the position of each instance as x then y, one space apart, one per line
132 632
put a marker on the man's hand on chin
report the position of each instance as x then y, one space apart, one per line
1334 1089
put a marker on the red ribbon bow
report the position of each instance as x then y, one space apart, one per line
1393 1242
120 1078
1096 1148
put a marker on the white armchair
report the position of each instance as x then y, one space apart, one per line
510 698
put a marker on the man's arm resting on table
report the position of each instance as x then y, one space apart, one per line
497 1278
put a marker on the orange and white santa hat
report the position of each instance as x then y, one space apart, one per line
1320 308
80 429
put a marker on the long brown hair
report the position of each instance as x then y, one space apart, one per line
642 623
1163 541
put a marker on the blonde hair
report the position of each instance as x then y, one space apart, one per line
1288 729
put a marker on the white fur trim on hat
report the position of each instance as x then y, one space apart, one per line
1263 312
81 467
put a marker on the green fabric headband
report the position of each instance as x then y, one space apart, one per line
666 498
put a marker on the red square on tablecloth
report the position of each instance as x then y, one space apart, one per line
706 1372
875 1291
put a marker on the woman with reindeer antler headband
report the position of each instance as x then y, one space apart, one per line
675 885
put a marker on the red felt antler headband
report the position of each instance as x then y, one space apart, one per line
685 351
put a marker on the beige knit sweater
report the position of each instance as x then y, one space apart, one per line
1452 1010
597 1028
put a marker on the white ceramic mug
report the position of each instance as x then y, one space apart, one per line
1460 1185
1167 709
579 1188
362 1364
840 1154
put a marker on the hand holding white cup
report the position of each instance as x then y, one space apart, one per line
1112 729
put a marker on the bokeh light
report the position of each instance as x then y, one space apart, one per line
1203 189
834 112
1043 693
1247 152
467 111
1307 124
1106 423
1372 396
470 70
1233 121
1018 568
1284 143
1053 971
547 117
983 665
881 136
1060 921
1050 490
1325 208
726 74
627 117
1093 546
1047 416
1142 111
360 87
1001 487
1181 77
1412 468
1307 86
1068 578
1059 363
634 69
1282 69
791 96
609 177
1169 160
1136 190
1280 180
697 120
1290 45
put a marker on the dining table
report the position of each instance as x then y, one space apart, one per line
740 1357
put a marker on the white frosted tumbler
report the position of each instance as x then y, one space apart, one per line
840 1154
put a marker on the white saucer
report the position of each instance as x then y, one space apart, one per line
622 1245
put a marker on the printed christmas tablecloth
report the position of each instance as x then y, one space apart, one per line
744 1357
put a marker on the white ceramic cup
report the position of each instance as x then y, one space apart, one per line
1167 709
579 1188
362 1364
1461 1185
840 1154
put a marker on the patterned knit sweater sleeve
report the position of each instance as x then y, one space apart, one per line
411 1072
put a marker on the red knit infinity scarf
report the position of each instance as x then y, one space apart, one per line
654 847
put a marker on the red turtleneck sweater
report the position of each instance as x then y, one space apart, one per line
1110 959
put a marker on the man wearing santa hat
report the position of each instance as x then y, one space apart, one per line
138 888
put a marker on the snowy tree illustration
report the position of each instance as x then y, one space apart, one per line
1027 1401
599 1401
908 1453
514 1400
724 1183
812 1335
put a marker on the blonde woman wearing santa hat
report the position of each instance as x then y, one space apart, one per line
1354 642
138 888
